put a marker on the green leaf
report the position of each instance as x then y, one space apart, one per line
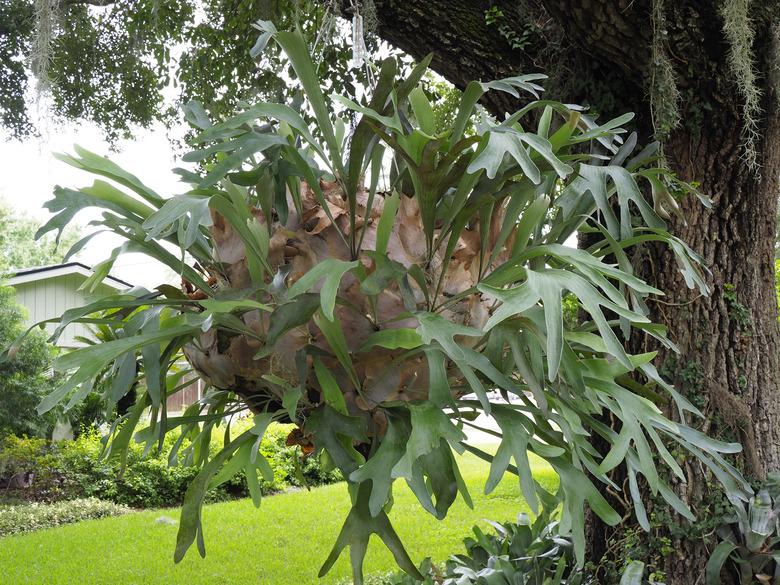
551 293
124 376
247 145
332 271
334 334
386 272
633 573
362 146
429 426
386 221
230 305
195 209
190 525
494 147
393 121
402 337
468 100
290 401
335 433
294 46
88 361
330 389
435 327
357 529
100 165
514 302
436 475
514 444
288 316
121 441
439 391
103 191
379 466
423 111
577 489
717 559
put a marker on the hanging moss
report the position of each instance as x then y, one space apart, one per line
740 34
664 93
46 13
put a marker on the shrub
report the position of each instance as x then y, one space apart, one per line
23 378
74 469
29 517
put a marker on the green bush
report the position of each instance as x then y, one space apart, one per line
28 517
284 461
68 470
23 377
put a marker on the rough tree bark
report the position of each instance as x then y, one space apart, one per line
729 342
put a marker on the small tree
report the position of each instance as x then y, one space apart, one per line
25 380
379 315
18 246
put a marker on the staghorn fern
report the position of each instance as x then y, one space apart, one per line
381 316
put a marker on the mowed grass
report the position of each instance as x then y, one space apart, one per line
284 542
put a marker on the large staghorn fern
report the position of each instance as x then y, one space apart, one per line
381 315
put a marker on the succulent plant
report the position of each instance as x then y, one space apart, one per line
750 539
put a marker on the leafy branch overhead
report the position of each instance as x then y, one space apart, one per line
379 286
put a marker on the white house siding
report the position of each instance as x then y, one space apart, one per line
47 294
50 297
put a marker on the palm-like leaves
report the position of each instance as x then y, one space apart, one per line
369 316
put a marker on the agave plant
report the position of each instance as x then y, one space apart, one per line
526 552
346 268
750 540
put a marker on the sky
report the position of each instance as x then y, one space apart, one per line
29 171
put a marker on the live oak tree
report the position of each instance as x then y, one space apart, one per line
365 283
702 77
114 63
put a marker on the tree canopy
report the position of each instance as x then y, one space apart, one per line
117 63
18 246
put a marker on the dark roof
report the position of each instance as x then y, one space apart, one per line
37 269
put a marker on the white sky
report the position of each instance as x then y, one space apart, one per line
29 172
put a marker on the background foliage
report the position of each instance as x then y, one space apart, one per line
18 247
25 380
75 469
132 56
19 518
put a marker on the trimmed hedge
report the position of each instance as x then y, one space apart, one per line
29 517
70 470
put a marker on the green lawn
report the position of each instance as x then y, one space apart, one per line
284 542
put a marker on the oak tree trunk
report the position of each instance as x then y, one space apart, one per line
600 50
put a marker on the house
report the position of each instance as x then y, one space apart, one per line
48 291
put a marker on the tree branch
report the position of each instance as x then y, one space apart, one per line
91 2
573 40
